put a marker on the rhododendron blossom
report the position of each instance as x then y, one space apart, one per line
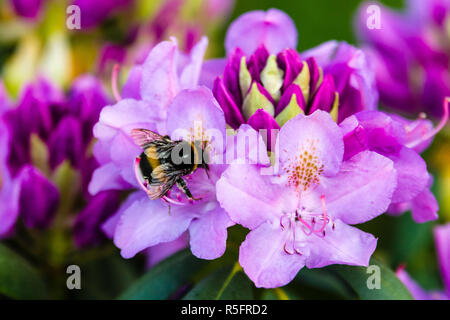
302 215
169 101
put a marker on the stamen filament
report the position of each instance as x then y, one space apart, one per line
438 128
114 77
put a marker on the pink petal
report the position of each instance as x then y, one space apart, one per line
159 82
107 177
211 69
317 134
146 223
264 260
195 110
131 88
247 146
424 207
250 198
274 29
191 73
109 226
362 189
162 251
343 245
417 292
412 175
208 234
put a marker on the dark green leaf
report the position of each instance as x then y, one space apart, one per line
18 279
280 294
391 288
165 278
228 283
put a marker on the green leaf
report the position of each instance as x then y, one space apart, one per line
280 294
228 283
165 278
18 279
391 288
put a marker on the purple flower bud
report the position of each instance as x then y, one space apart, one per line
27 8
86 99
38 200
233 115
325 95
286 98
260 120
66 143
289 61
87 224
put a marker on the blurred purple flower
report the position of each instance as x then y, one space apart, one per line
38 200
27 8
94 12
63 125
301 215
97 210
411 54
264 71
442 241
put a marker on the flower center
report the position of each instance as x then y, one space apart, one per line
302 220
305 168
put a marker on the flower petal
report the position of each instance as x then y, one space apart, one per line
417 292
412 175
274 29
247 146
424 207
131 88
249 197
146 223
362 189
343 245
264 260
317 134
208 234
211 69
191 73
194 113
262 120
159 82
109 226
162 251
107 177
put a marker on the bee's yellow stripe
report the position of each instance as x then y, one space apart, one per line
152 156
196 157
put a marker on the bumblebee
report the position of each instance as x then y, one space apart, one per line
164 162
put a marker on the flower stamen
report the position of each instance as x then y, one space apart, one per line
433 132
114 77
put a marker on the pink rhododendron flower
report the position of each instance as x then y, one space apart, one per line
167 99
302 215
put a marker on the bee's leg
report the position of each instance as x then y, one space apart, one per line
181 184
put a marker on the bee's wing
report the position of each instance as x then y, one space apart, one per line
143 137
160 189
